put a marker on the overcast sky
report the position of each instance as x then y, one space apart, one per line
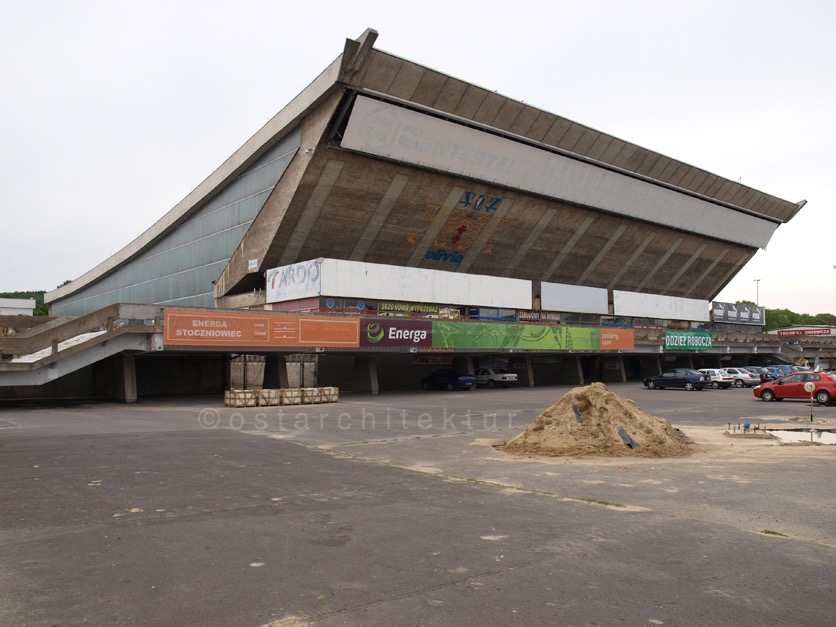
111 112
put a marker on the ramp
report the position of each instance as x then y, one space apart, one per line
51 350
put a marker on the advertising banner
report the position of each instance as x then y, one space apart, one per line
407 308
538 316
687 340
821 331
208 328
738 314
617 339
228 329
492 336
397 333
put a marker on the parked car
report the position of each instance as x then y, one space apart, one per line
783 370
719 378
678 378
492 378
776 374
792 386
743 377
448 379
762 372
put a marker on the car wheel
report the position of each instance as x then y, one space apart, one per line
738 383
768 396
822 397
651 385
491 384
689 385
450 387
715 385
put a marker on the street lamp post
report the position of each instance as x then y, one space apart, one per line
757 292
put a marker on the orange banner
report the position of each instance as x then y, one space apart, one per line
617 339
207 328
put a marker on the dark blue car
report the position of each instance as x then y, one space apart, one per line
447 379
678 378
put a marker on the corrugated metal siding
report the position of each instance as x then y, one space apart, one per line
180 268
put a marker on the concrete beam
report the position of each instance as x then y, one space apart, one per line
663 260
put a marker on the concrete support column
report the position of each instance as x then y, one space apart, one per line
126 379
275 372
571 370
622 369
463 364
364 376
526 375
683 361
651 366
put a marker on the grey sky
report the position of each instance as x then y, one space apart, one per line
111 112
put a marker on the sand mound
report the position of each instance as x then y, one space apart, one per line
558 431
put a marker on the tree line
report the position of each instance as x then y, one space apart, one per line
780 318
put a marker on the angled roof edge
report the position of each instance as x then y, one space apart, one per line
790 208
355 53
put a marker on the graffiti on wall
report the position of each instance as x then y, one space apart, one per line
463 227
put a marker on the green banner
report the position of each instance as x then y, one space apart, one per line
490 335
687 340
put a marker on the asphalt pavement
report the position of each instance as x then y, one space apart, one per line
396 510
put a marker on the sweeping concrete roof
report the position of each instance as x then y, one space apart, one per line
401 164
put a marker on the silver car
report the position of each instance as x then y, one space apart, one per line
492 378
743 377
719 377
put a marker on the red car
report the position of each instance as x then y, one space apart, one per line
792 386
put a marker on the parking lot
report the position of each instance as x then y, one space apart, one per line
396 509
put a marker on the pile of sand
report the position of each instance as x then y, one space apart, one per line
558 431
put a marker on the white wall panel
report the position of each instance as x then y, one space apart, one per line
393 132
355 279
574 298
293 282
662 307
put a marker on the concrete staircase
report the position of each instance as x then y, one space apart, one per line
40 353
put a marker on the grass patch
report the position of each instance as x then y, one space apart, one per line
770 532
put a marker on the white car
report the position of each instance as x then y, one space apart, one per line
743 377
492 378
719 377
